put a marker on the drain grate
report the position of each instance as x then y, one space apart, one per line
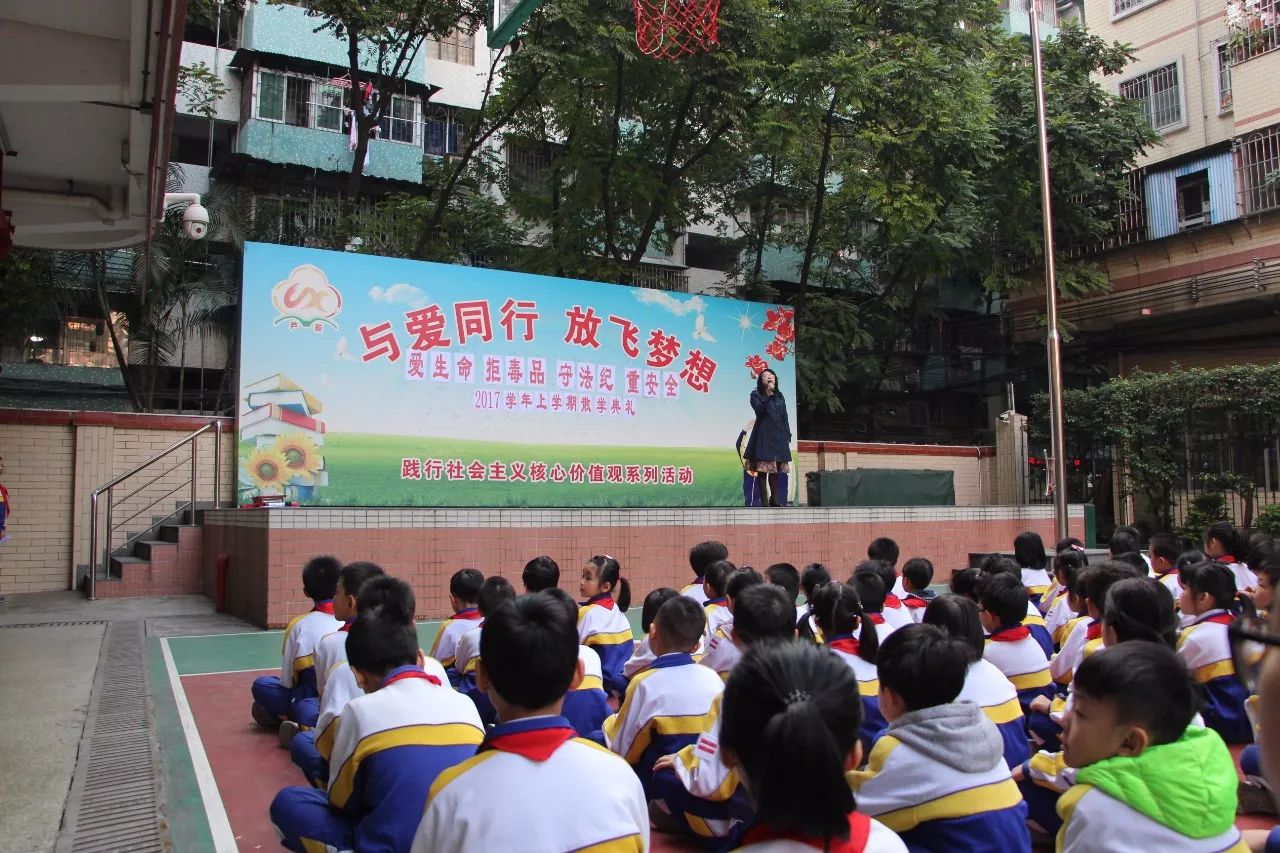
54 624
113 804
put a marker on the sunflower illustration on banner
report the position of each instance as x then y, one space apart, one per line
281 439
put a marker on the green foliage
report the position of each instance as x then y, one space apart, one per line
1268 520
1206 509
201 88
30 296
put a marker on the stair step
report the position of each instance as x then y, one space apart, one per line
171 532
117 565
146 548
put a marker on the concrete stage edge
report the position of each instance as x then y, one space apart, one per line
265 548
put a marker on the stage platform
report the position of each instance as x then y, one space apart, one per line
265 548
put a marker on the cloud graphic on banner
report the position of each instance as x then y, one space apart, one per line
667 302
700 331
406 293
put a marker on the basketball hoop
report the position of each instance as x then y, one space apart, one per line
671 29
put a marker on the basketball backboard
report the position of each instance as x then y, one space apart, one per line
506 17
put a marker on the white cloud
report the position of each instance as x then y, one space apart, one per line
406 293
667 302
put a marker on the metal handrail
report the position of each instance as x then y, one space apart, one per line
109 487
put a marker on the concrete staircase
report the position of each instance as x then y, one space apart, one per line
165 560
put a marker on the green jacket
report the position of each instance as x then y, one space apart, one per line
1188 785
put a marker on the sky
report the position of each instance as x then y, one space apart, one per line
331 295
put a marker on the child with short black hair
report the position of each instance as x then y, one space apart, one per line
721 653
695 792
885 549
330 653
653 718
1208 594
586 705
602 620
493 593
938 776
964 582
715 577
464 589
540 573
700 556
568 793
643 656
851 635
869 584
391 743
1086 637
1002 599
895 614
276 697
791 731
1129 732
984 684
917 574
1029 553
1226 545
814 577
787 577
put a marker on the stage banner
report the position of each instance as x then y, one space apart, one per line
370 381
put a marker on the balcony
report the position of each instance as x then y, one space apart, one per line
276 142
289 31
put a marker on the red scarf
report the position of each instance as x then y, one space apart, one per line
893 601
346 628
859 832
536 743
876 618
605 600
1010 635
412 673
848 645
913 601
1219 619
325 606
1094 631
1225 559
468 613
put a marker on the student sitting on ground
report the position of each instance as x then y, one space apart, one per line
1208 594
895 613
869 584
984 684
1003 602
643 655
886 550
276 697
1029 553
813 578
653 719
700 556
917 574
722 654
1165 549
391 744
586 705
1032 620
464 589
1147 779
602 619
787 577
493 592
965 582
790 732
1225 545
331 652
695 792
938 776
1067 566
533 785
851 635
1070 545
540 573
716 607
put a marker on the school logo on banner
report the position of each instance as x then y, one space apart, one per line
306 299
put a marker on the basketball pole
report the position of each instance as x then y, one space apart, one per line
1057 425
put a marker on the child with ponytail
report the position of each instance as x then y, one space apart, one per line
852 636
602 623
790 731
1208 596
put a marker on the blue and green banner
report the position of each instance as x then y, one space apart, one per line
370 381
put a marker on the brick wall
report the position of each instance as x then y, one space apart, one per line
55 459
267 548
973 467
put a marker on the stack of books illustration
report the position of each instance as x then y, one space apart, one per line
281 419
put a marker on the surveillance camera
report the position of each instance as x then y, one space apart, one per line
1004 418
195 221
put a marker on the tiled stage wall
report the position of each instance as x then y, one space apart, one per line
266 548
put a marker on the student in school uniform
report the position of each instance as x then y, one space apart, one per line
789 731
391 743
1002 600
1165 549
813 578
1032 620
867 582
1028 551
1208 593
938 776
1067 566
533 785
721 653
853 638
700 556
493 592
643 655
602 620
786 577
694 791
984 684
895 613
1224 544
275 697
1147 778
715 578
917 574
664 706
464 589
331 651
884 548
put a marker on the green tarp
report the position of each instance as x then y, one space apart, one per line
881 487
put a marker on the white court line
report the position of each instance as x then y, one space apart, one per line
270 631
224 841
275 669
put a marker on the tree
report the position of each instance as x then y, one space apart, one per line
383 41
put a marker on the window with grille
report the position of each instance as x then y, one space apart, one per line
271 96
529 164
1193 200
443 130
1224 77
401 121
457 47
1160 96
1254 27
1258 170
1123 7
330 107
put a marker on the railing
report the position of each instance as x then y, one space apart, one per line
1254 28
111 526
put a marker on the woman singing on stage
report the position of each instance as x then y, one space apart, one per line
768 450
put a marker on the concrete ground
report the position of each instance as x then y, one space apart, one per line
47 674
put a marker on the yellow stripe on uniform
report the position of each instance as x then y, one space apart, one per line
972 801
450 773
1005 712
441 734
610 639
310 845
1034 620
626 844
1205 674
324 740
303 662
1067 807
688 756
1031 680
589 682
284 638
869 688
875 762
687 724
